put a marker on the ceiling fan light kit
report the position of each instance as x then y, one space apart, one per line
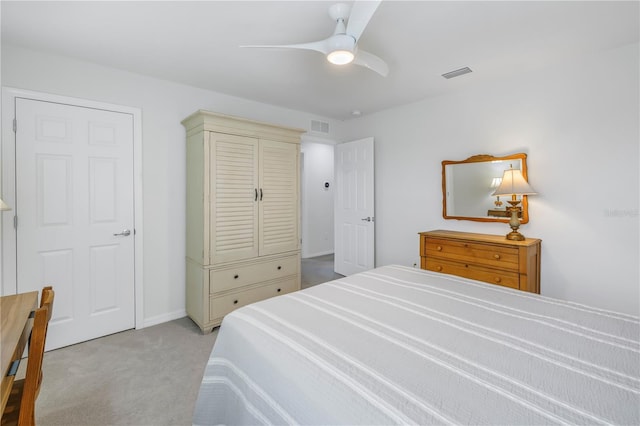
340 57
342 47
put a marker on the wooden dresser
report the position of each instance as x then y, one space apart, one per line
489 258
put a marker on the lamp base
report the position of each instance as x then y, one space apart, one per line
515 236
514 221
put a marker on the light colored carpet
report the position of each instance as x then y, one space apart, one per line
137 377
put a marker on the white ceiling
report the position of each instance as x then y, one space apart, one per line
196 43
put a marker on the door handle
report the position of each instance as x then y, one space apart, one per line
367 219
124 233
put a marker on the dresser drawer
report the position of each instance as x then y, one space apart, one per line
492 255
222 305
475 272
241 275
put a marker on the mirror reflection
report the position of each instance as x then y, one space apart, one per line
468 186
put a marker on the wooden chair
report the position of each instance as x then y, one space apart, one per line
47 299
20 409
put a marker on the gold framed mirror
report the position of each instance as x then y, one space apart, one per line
467 186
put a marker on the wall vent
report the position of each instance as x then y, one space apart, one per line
319 126
457 73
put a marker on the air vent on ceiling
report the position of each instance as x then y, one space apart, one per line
319 126
457 73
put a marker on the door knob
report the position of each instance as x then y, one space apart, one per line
124 233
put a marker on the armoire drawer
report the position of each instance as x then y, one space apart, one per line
222 305
246 274
484 254
474 271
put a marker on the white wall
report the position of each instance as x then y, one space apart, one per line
583 113
579 124
317 201
164 105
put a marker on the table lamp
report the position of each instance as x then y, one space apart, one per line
514 184
495 182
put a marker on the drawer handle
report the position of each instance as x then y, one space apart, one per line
279 290
438 268
439 248
279 267
497 256
235 277
498 279
235 302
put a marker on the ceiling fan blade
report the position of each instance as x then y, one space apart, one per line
372 62
319 46
361 13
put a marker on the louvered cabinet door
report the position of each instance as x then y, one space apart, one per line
278 216
234 197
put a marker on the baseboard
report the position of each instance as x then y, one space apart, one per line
323 253
159 319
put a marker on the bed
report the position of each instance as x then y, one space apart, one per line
399 345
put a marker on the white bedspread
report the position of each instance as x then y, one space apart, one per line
398 345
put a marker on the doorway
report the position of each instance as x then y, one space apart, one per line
69 172
354 207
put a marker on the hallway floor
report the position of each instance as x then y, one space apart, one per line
317 270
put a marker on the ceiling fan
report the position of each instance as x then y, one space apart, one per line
342 47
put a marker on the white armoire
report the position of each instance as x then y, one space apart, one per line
243 221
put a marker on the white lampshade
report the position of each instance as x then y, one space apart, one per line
513 183
495 182
4 206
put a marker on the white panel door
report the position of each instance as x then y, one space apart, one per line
354 207
74 202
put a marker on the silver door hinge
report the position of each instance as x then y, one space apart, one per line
15 222
15 125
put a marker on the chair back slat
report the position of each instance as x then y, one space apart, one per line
30 386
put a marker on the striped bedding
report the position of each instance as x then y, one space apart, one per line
398 345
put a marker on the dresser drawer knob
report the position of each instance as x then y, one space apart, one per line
496 256
235 302
498 279
439 248
279 267
279 290
438 268
235 277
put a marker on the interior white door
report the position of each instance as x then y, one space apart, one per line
354 207
75 210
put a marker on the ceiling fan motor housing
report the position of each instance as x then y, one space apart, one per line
341 49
